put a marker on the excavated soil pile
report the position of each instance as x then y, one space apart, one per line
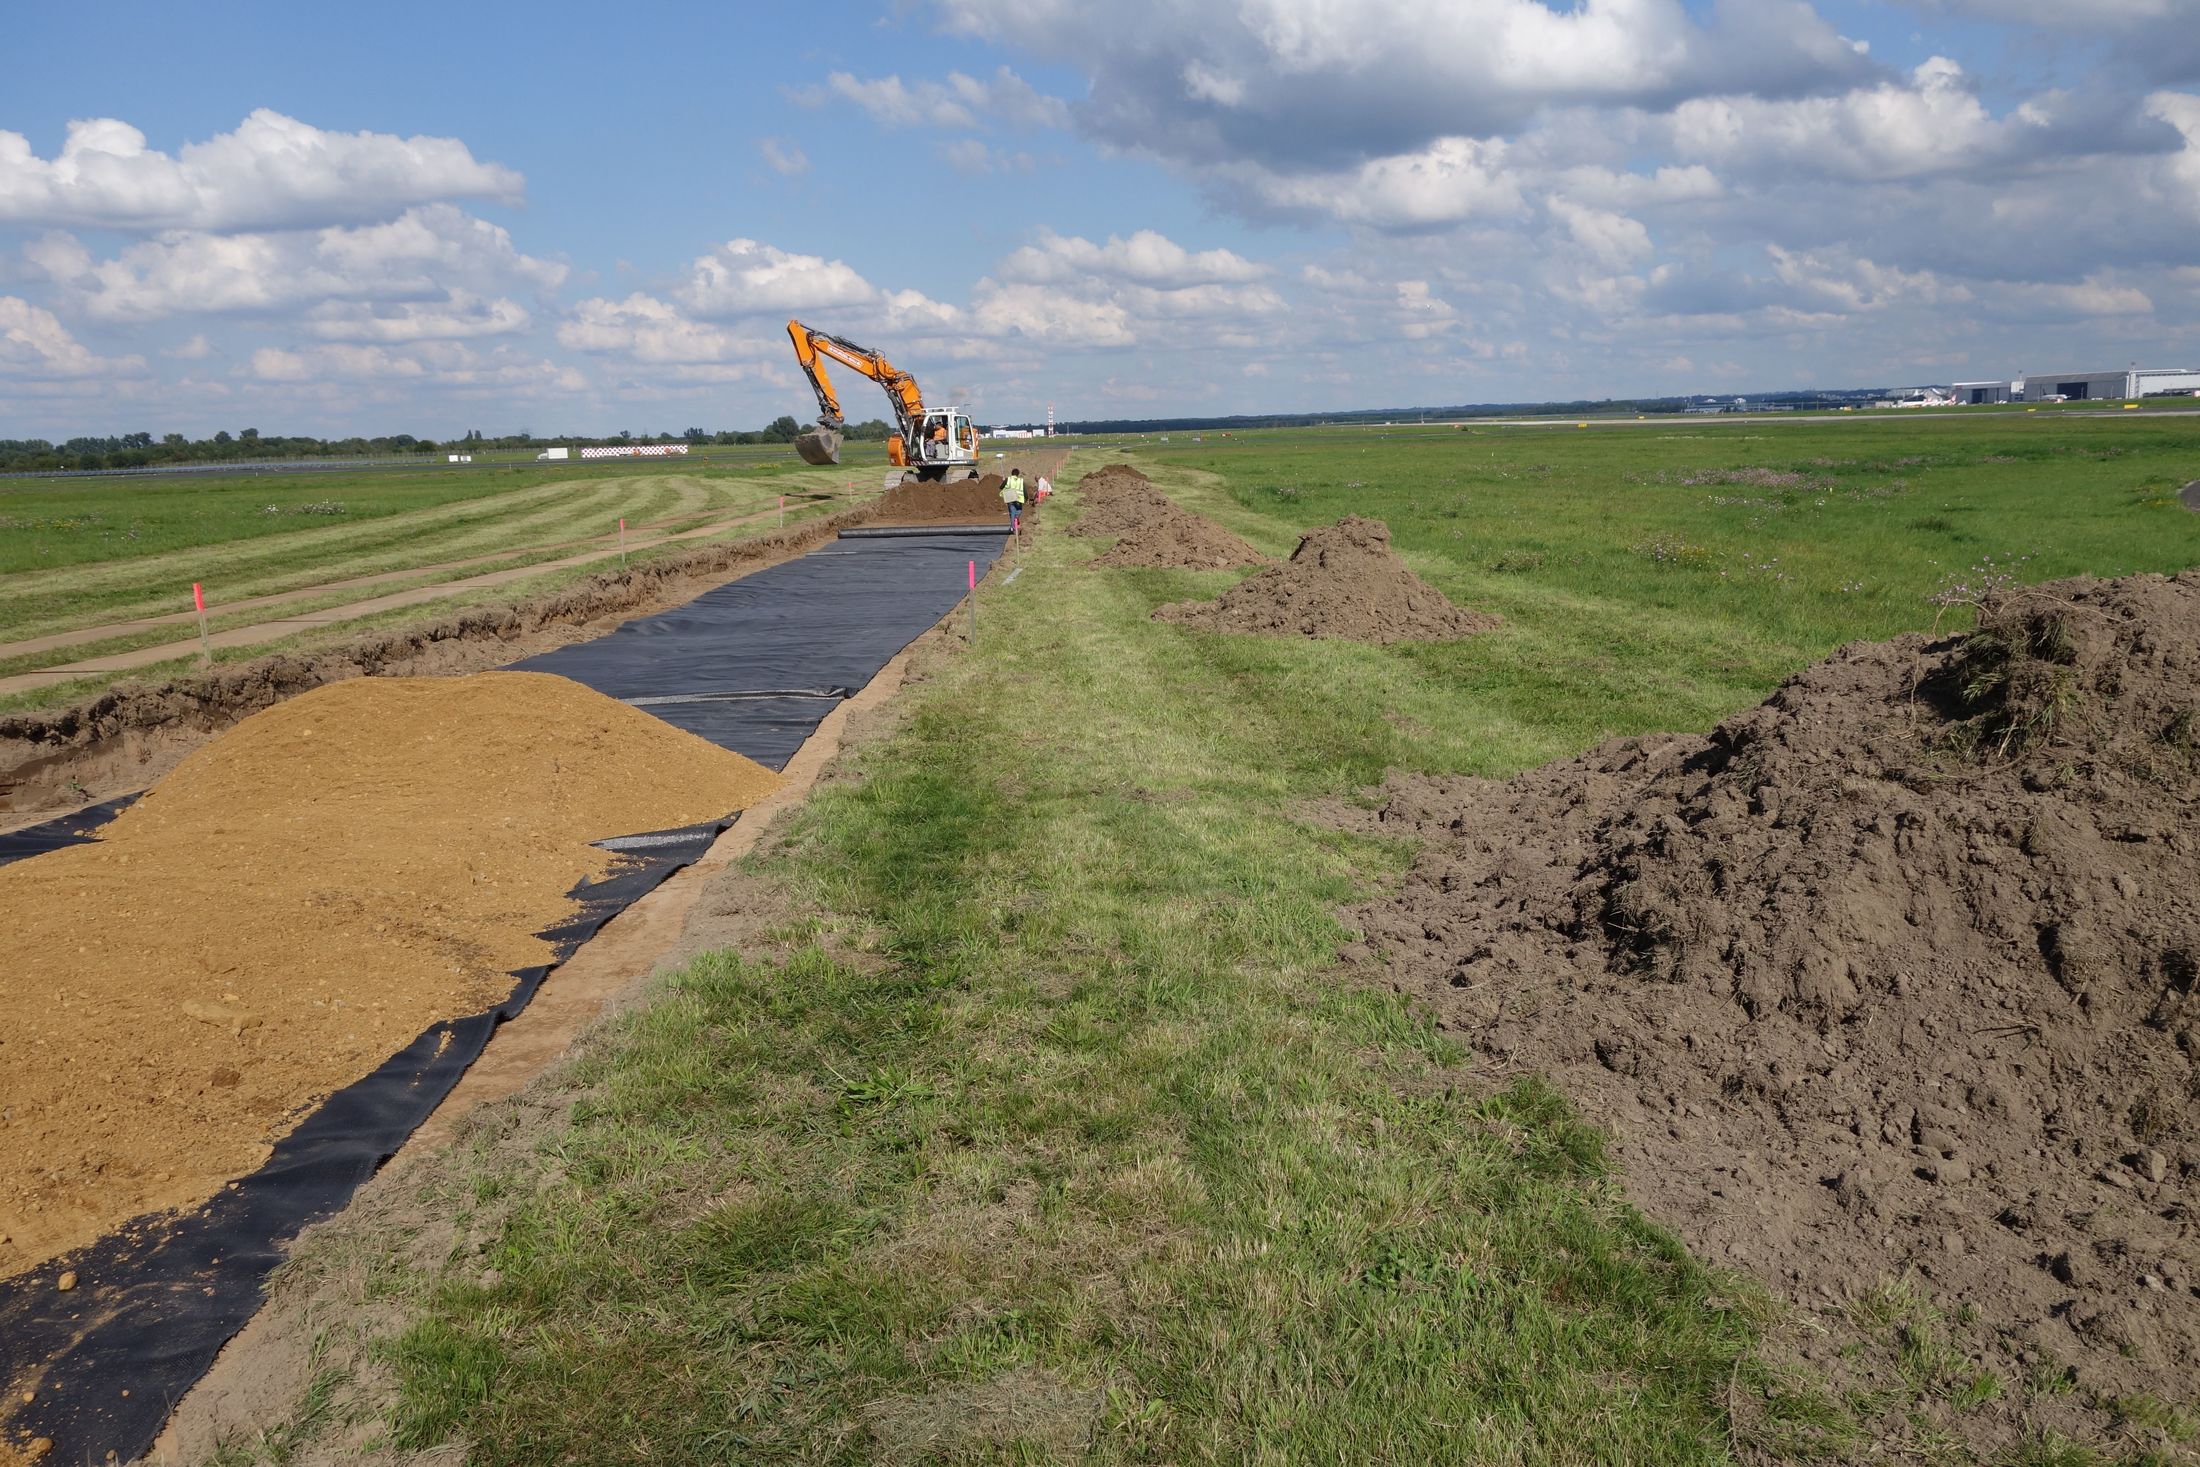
963 502
1110 476
1179 539
293 903
1344 581
1149 528
1894 972
1120 508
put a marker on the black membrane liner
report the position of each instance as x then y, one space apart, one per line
754 666
74 829
155 1302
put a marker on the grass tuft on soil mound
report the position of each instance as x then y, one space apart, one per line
1893 972
1343 581
295 901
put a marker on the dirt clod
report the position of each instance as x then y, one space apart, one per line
1916 937
1344 581
294 902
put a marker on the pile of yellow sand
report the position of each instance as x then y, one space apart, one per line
290 906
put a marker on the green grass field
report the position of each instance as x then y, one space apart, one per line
1052 1132
94 553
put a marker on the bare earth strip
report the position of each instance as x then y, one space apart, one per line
54 640
269 631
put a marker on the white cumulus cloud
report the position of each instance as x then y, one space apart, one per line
746 277
642 328
960 101
1146 257
271 172
783 157
459 315
422 256
34 344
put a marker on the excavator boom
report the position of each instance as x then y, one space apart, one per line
932 442
821 445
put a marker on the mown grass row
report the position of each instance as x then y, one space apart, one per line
323 541
332 633
51 523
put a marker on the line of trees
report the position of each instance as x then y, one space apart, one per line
143 450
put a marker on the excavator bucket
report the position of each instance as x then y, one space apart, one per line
819 446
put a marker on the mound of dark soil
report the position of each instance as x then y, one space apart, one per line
1892 973
1343 581
962 502
1124 506
1110 477
1178 539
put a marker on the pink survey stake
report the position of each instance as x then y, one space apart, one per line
198 597
973 575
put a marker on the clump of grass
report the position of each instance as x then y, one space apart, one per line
2182 733
1675 550
2017 674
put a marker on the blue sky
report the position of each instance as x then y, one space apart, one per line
432 218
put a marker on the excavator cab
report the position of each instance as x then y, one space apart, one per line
947 441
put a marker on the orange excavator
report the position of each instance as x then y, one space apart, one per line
932 443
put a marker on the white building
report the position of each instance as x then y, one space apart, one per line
2124 385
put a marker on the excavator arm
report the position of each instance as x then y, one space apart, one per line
821 445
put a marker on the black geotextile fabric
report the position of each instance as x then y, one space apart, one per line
74 829
752 666
155 1302
829 620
